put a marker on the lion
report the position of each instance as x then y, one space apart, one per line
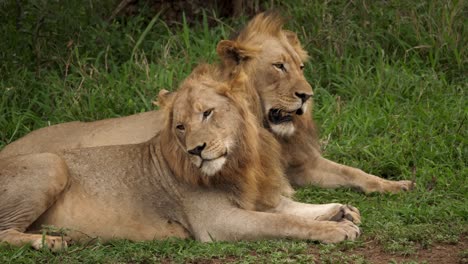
281 103
284 96
211 173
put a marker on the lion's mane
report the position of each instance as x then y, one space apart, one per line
253 174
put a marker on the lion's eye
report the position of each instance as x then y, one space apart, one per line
280 66
207 113
302 66
180 127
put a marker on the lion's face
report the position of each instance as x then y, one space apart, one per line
280 81
205 124
278 72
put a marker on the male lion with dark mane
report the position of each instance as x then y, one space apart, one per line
211 173
281 103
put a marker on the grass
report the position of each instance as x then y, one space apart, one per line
390 83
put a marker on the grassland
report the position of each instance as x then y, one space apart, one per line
390 79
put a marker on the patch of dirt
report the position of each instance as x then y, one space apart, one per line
436 253
372 252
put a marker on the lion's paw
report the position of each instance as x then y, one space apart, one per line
344 230
406 185
338 212
398 186
387 186
54 243
347 212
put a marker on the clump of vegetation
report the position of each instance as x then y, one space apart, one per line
389 79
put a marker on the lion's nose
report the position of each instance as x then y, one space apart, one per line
197 150
304 97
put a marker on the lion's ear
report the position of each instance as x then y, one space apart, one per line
231 52
165 98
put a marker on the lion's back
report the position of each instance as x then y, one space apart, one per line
73 135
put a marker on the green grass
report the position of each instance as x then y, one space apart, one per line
390 79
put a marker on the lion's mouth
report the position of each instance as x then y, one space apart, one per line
278 116
224 155
210 167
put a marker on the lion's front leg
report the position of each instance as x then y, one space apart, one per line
17 238
241 224
329 174
213 217
320 212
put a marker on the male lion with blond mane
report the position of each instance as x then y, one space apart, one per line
284 92
211 173
281 103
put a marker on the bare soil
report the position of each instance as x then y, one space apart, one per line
437 254
372 252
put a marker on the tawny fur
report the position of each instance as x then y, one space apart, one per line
153 190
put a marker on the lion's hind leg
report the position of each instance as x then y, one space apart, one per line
29 185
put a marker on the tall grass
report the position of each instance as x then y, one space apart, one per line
390 83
